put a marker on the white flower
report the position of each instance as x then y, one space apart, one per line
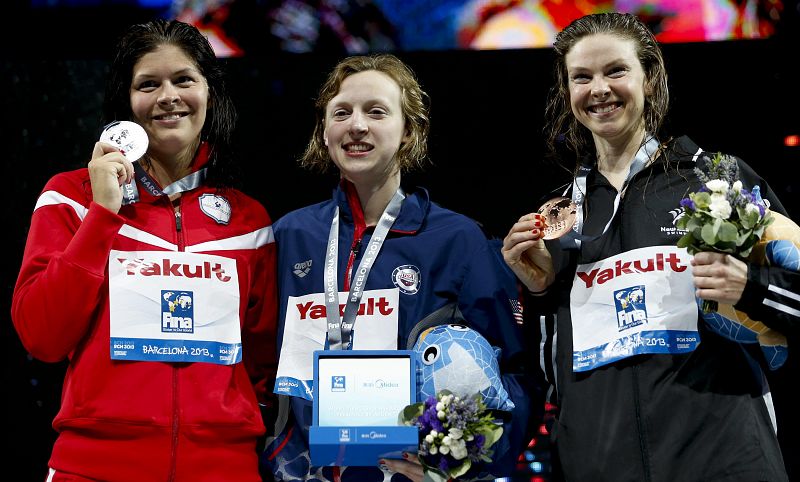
719 207
717 186
446 440
434 433
429 438
752 208
440 415
455 433
444 449
439 406
737 187
433 450
458 449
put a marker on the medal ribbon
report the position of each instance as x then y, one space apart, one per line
574 238
341 327
130 192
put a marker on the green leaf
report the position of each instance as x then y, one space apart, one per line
701 200
461 469
708 235
727 232
410 412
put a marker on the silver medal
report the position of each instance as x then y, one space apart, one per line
129 137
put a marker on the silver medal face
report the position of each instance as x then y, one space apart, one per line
128 137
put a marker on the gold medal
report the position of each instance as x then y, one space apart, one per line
559 214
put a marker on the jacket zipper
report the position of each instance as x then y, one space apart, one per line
175 378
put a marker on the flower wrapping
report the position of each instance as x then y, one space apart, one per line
455 435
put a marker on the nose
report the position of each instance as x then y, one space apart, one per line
358 125
600 88
169 95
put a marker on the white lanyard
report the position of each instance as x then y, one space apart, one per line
341 327
574 238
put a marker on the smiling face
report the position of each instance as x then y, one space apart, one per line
364 127
607 87
169 97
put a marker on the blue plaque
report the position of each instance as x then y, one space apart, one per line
358 397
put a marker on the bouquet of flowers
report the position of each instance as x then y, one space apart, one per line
722 216
455 435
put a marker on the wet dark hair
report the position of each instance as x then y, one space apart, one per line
414 103
563 131
141 39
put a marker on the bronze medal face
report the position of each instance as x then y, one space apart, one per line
559 214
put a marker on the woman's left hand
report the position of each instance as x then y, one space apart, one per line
410 467
719 277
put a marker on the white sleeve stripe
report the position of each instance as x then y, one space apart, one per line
542 343
252 240
784 292
781 307
50 198
138 235
554 347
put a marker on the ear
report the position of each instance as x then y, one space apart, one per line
325 139
406 135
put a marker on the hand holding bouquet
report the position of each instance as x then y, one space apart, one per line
455 434
722 216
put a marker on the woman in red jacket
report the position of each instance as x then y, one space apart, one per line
155 278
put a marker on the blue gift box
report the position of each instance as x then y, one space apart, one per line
358 397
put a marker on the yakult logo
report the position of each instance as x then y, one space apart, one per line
659 262
369 306
167 268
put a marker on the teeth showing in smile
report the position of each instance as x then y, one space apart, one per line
602 109
169 116
359 147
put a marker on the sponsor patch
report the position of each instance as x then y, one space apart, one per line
407 278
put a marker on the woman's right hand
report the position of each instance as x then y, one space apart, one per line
108 170
525 253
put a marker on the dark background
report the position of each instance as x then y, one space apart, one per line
740 97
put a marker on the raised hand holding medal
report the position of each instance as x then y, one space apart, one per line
131 140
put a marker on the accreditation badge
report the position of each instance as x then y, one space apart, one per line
174 307
306 330
638 302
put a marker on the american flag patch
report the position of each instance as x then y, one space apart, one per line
516 309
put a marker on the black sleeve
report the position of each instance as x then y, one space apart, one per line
772 293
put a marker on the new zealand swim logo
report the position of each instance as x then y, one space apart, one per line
177 311
631 309
338 383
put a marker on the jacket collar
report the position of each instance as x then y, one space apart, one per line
412 213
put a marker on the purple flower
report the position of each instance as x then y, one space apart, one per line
688 203
443 465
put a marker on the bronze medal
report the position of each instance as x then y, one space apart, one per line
559 214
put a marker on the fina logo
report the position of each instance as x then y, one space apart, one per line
407 278
631 308
177 311
344 435
338 383
216 207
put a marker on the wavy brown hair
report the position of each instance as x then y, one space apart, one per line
414 102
